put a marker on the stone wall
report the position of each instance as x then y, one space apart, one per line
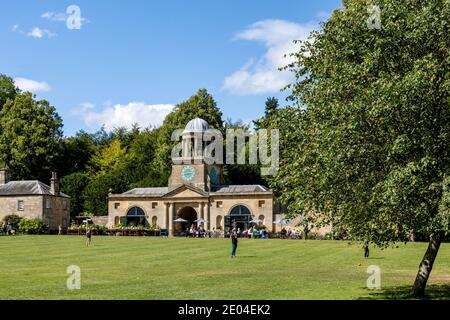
33 206
57 214
152 208
261 206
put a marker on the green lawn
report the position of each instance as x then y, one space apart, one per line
34 267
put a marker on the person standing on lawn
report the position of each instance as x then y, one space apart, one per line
234 242
88 236
366 249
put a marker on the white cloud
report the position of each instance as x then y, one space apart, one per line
263 75
15 28
39 33
31 85
61 17
52 16
119 115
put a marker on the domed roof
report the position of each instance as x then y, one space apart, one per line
196 125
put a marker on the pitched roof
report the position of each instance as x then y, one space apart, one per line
27 188
147 191
240 188
164 191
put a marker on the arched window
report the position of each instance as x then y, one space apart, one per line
219 222
239 218
136 217
240 211
135 212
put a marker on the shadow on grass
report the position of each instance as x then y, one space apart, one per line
432 292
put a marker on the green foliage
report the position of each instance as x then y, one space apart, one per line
107 158
13 220
96 192
76 152
99 230
367 145
73 185
241 173
7 89
32 226
30 133
270 110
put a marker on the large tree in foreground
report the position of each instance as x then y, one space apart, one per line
367 142
30 133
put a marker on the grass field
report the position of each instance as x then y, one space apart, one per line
34 267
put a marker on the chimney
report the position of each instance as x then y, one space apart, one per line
54 184
4 176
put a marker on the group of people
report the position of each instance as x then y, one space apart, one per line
201 232
294 234
8 229
252 232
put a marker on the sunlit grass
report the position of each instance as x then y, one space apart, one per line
34 267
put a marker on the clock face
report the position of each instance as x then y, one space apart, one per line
187 173
213 175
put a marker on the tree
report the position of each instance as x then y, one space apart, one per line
30 132
241 173
107 158
270 110
75 153
7 89
74 185
271 105
96 192
366 144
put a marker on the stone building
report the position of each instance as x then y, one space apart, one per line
195 190
34 199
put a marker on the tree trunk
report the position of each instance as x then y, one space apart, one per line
426 265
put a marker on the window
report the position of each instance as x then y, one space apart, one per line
154 205
65 205
219 204
47 204
20 205
261 203
116 205
240 211
136 217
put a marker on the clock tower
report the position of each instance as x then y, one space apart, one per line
191 168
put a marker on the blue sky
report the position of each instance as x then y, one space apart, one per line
131 61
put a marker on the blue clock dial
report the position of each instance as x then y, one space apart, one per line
187 173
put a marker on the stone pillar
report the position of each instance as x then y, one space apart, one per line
171 217
208 216
202 210
166 216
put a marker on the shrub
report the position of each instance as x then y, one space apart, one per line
32 226
13 220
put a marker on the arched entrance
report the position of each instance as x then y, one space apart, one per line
186 213
239 217
136 217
